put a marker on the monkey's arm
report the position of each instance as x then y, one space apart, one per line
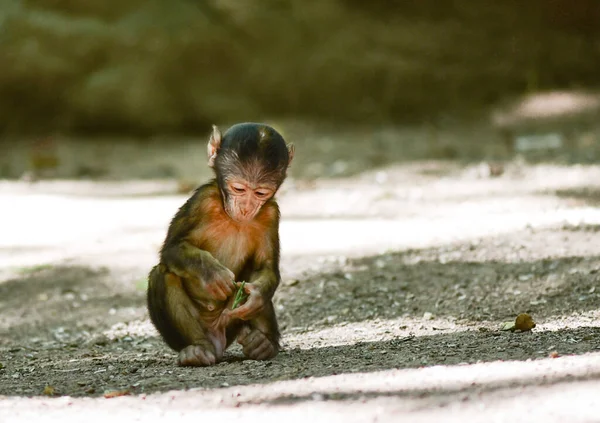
265 277
186 260
189 262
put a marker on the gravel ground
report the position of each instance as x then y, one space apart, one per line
393 293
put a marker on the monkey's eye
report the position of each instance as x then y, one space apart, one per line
261 194
237 188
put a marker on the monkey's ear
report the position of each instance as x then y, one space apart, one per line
291 150
213 145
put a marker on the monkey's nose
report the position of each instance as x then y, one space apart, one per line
245 213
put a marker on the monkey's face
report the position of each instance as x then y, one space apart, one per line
244 200
250 162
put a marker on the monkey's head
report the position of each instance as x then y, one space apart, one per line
250 161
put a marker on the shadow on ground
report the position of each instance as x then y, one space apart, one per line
448 391
84 331
488 280
585 195
144 366
47 302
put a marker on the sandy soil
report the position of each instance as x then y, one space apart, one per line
394 289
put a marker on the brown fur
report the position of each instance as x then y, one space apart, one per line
203 240
224 233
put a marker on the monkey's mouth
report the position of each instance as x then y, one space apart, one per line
239 217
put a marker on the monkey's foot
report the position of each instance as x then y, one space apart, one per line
196 355
256 345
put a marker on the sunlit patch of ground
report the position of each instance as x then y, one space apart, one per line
392 295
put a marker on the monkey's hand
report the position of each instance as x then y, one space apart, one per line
255 302
209 279
217 281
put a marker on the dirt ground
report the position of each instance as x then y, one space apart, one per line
393 292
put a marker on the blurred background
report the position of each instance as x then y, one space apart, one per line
129 88
446 179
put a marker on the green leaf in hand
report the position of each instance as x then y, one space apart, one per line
240 296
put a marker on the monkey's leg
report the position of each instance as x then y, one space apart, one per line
260 336
177 319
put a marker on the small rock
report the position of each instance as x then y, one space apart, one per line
526 277
49 391
524 322
428 316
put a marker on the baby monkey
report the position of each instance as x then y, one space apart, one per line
226 232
